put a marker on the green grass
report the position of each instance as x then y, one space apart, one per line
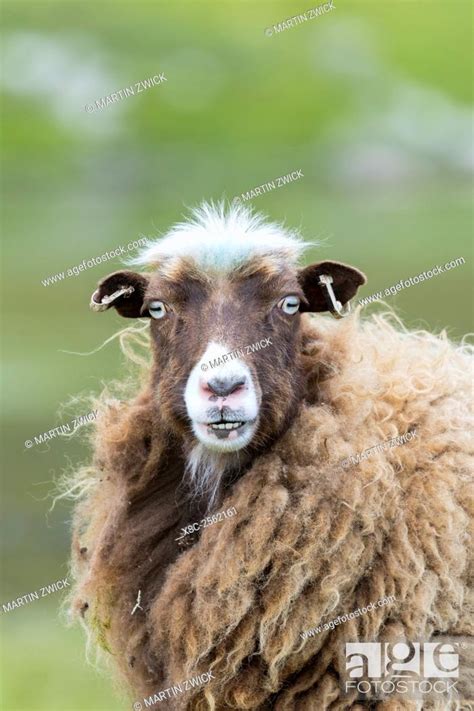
44 666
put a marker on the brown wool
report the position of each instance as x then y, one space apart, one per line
310 540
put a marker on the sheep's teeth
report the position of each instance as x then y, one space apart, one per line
226 425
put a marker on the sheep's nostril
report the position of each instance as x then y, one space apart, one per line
222 387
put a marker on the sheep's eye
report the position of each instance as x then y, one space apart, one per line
290 304
157 309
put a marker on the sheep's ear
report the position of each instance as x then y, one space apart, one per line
123 290
319 280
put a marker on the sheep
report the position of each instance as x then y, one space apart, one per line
311 540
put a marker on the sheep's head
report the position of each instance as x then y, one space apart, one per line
224 298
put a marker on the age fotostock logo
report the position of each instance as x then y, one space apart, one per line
404 667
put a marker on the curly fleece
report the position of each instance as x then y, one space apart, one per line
310 540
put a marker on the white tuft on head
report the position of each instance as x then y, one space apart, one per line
216 238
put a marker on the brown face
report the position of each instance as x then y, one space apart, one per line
228 370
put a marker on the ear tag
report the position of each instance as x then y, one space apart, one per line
104 304
335 307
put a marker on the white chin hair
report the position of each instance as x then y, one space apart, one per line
206 467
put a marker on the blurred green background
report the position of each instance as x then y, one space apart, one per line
371 101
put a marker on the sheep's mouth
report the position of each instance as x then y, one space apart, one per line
226 425
225 435
226 429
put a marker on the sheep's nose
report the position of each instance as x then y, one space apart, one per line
222 387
